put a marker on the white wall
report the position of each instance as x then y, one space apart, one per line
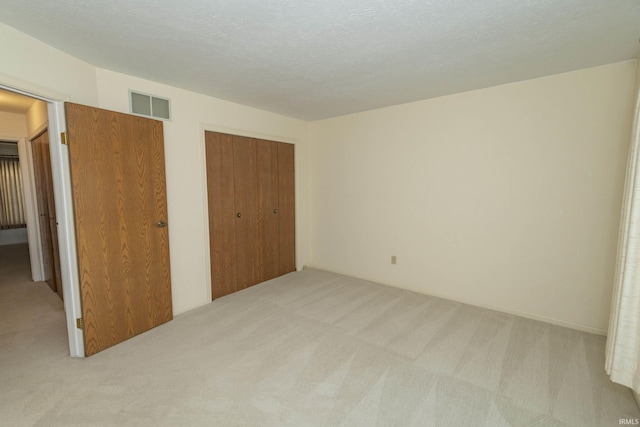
33 66
37 116
186 179
21 127
68 78
13 125
507 197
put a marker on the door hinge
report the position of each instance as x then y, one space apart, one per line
63 138
80 323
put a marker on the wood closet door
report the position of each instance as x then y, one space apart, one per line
246 203
287 208
222 213
268 209
250 186
51 212
39 165
120 207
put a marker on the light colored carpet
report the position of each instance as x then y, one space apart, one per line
311 348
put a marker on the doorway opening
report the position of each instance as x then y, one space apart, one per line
44 250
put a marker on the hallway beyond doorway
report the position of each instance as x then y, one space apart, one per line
27 305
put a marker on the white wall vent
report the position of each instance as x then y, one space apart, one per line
142 104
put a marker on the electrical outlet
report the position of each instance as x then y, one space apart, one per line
393 259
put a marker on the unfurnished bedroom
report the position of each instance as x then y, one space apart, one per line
319 213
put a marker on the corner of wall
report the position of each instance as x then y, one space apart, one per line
37 117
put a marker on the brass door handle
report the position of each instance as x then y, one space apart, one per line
239 215
161 224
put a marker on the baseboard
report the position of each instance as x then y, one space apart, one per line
527 315
553 321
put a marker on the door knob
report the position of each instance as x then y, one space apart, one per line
275 211
161 224
239 215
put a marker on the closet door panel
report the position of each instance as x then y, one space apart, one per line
286 209
268 225
39 168
51 211
222 213
246 200
251 192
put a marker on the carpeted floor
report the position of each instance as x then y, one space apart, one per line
309 349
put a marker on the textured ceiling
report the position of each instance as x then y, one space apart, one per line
325 58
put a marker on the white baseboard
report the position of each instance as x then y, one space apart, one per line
527 315
13 236
553 321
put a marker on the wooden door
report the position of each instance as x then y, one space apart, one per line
120 210
52 220
287 208
251 202
40 162
268 224
222 213
246 195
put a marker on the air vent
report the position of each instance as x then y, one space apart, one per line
146 105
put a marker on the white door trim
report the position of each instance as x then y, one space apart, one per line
31 210
30 206
60 171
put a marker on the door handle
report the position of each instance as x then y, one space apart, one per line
239 215
275 211
161 224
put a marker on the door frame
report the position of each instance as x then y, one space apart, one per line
60 171
30 208
205 195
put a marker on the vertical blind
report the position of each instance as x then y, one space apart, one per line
11 199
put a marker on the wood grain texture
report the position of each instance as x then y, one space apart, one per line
246 201
42 163
222 213
268 214
251 181
51 211
287 210
119 195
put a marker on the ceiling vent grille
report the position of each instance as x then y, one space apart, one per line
142 104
